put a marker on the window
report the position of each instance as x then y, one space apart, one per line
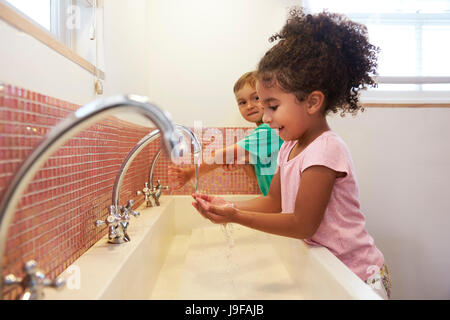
48 14
414 38
38 10
74 23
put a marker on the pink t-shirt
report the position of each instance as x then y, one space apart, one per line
342 229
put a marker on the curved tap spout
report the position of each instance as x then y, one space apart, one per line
77 121
127 161
197 153
138 148
194 140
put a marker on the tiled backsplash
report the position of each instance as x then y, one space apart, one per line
54 221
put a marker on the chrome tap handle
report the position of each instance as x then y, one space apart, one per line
117 222
147 192
146 189
135 213
123 216
12 280
57 283
108 221
99 223
129 204
33 282
158 191
159 186
129 209
111 219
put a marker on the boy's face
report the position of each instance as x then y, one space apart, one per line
249 105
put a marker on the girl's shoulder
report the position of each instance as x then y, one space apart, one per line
329 144
328 140
329 150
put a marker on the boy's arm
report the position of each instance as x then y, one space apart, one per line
218 157
181 176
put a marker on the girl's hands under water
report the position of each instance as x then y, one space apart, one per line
216 209
218 201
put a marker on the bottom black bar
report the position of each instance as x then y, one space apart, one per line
219 309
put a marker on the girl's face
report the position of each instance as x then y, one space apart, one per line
284 112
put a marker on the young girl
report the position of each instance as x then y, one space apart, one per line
318 65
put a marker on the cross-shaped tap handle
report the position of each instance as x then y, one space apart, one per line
129 209
33 282
111 219
160 186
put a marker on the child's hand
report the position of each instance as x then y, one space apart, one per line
224 213
217 201
180 176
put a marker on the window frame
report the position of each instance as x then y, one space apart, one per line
402 98
19 20
57 25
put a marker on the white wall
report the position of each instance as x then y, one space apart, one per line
402 160
199 48
126 56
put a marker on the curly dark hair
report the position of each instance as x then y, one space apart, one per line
325 52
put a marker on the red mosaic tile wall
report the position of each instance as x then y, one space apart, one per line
54 221
218 181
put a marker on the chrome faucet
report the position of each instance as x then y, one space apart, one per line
158 191
150 191
34 282
118 222
153 191
197 155
73 124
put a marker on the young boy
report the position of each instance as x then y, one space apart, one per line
260 147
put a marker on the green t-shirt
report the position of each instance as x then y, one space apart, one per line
263 144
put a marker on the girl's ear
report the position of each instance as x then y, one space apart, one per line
315 100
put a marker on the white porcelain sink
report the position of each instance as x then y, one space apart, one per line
174 253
